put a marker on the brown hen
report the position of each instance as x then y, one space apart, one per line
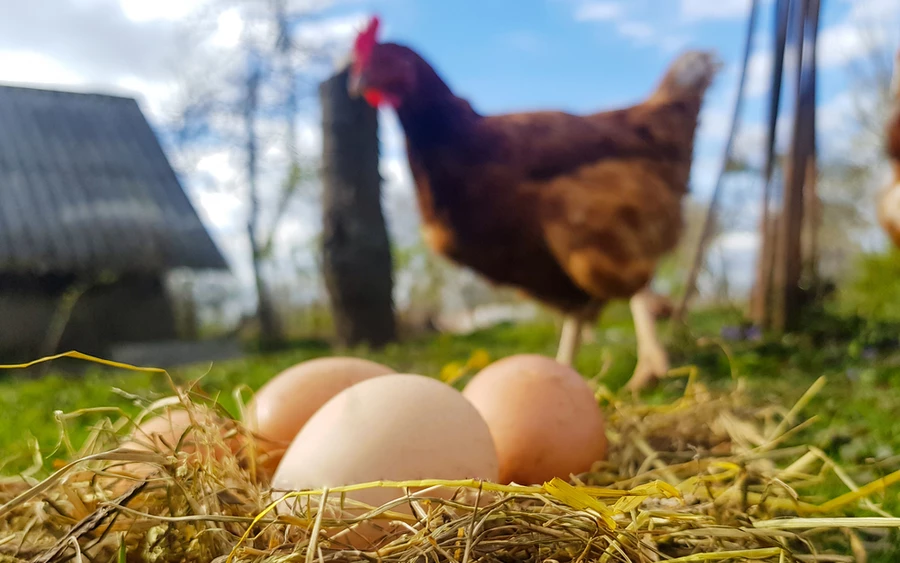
889 203
573 210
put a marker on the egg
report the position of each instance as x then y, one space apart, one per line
285 403
395 427
172 432
543 417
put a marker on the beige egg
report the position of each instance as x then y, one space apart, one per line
396 427
286 402
170 433
543 417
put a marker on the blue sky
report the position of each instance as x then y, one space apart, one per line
544 53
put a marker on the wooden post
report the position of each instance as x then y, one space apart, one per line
813 222
789 258
813 203
789 253
783 261
356 254
761 299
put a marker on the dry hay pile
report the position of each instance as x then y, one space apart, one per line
705 478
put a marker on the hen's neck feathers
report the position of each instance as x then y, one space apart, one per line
432 114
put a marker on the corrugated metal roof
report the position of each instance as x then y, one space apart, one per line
85 187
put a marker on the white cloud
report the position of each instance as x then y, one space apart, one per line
693 10
171 10
846 42
714 123
636 30
869 27
30 67
842 125
95 40
156 97
704 172
393 142
739 241
220 165
599 11
294 233
835 116
332 32
750 143
396 174
732 256
759 73
309 139
874 10
222 210
229 27
398 194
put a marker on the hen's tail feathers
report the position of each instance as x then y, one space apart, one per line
690 75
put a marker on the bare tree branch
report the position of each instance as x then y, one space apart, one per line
700 253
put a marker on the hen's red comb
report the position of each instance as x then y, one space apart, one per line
365 41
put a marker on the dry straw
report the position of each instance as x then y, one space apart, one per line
705 478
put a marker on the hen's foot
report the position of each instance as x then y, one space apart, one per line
650 368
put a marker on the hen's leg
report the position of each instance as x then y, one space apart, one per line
653 362
569 340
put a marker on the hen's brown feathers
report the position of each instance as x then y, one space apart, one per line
893 136
574 210
889 202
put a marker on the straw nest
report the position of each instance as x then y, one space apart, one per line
705 478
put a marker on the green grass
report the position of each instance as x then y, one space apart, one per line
856 412
30 404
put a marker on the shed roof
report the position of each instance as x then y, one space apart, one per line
86 187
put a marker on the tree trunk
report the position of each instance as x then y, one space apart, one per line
269 329
356 255
270 334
